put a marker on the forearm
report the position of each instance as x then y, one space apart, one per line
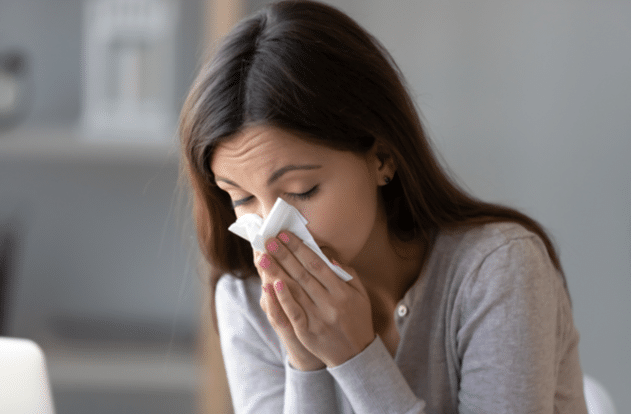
373 383
309 391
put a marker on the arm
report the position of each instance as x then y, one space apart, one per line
260 378
332 320
373 383
507 331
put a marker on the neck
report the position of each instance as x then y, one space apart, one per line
387 268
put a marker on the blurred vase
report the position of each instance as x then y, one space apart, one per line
15 88
129 78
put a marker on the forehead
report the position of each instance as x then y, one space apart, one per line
263 149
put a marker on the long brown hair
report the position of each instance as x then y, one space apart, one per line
308 68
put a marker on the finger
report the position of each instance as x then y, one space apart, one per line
295 269
264 302
302 264
256 258
355 282
294 312
271 270
273 310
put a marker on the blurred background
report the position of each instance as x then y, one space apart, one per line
528 104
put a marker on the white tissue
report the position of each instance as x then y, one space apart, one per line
282 217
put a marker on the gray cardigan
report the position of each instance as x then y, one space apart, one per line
487 328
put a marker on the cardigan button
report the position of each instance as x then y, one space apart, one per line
402 311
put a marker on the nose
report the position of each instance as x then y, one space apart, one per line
264 209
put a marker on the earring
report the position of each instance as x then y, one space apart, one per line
387 180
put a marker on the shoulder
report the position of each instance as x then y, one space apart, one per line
493 257
238 299
233 289
499 261
507 244
465 250
485 238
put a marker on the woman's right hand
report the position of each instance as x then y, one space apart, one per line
300 358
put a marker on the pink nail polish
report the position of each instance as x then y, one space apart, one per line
265 261
279 286
273 246
284 237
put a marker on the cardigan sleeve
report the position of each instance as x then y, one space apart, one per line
260 377
513 319
373 383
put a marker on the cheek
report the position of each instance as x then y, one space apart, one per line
316 221
360 213
342 226
321 220
307 213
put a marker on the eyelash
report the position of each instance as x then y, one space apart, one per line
304 196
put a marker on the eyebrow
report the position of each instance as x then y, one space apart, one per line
277 174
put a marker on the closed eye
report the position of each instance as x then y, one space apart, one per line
302 197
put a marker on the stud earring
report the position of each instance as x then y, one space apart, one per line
387 180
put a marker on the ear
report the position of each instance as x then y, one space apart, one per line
384 162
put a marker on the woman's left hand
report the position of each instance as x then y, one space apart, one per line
332 319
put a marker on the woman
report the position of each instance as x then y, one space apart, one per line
455 305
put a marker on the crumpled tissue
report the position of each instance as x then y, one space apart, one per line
283 216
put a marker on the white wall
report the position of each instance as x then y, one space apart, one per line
529 104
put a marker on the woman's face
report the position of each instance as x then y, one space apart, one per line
336 191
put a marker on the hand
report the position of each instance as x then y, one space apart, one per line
330 317
299 357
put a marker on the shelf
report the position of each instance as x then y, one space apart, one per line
127 369
69 143
120 363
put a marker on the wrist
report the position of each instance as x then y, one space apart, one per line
342 358
306 365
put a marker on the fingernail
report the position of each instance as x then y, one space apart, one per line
284 237
273 246
279 286
265 261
